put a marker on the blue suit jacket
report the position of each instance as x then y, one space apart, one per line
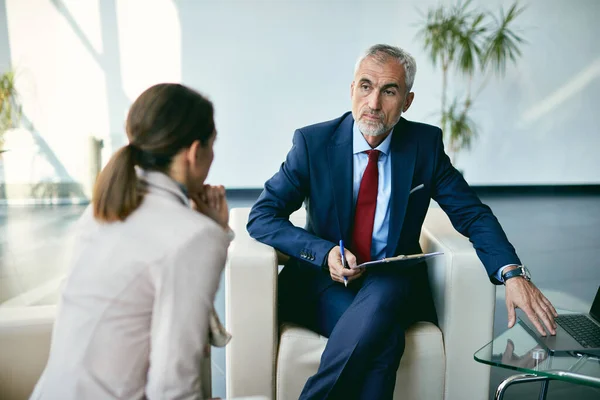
318 172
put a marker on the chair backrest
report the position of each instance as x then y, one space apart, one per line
26 322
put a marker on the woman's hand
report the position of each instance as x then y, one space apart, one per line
212 203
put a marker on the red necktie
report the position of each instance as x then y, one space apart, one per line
364 215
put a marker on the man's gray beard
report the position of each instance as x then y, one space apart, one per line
379 129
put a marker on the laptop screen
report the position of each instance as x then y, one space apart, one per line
595 310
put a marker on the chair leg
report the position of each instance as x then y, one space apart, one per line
523 378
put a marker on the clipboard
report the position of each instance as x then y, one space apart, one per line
401 260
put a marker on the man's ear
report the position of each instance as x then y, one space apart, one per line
351 89
409 99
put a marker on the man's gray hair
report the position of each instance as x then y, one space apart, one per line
382 52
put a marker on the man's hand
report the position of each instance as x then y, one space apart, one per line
337 270
212 203
523 294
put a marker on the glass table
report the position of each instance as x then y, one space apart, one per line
520 351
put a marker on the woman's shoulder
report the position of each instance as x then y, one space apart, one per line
155 230
175 221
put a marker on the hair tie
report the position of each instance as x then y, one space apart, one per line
148 160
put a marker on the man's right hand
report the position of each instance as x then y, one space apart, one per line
337 270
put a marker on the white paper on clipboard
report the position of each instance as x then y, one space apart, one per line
401 261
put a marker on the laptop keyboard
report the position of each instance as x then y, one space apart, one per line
581 328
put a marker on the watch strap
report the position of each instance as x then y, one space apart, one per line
514 272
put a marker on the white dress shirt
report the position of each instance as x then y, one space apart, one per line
384 188
133 318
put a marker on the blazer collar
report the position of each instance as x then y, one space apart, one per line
404 150
340 168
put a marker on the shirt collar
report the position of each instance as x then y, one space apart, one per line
359 144
163 182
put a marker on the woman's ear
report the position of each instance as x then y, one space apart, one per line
193 156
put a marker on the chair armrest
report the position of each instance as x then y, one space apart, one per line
464 299
250 312
25 334
25 338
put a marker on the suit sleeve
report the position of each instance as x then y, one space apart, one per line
470 216
283 194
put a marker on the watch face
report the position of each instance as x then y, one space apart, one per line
526 273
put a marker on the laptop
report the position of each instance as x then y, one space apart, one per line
574 332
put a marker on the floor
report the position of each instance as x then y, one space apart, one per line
557 236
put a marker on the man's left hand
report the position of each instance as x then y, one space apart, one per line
525 295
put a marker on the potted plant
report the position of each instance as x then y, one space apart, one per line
10 106
469 41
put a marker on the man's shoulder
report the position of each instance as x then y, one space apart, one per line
425 134
326 127
421 127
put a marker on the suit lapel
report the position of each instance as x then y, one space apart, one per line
340 174
404 152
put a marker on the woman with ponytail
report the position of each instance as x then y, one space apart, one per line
135 313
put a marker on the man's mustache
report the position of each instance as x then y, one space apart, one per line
373 114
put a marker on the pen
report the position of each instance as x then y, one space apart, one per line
343 261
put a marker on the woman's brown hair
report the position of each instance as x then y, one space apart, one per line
163 120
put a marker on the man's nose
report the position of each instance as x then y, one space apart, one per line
374 101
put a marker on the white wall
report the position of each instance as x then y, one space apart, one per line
273 66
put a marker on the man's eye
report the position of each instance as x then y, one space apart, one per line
389 93
364 87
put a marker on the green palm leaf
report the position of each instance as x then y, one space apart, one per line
503 44
468 40
10 107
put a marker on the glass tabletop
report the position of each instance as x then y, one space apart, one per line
519 350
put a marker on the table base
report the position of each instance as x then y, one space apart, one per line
523 378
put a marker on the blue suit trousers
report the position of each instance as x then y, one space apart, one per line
365 324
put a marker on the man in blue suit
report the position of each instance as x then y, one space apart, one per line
367 178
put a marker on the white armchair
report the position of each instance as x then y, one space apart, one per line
267 359
26 324
25 331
